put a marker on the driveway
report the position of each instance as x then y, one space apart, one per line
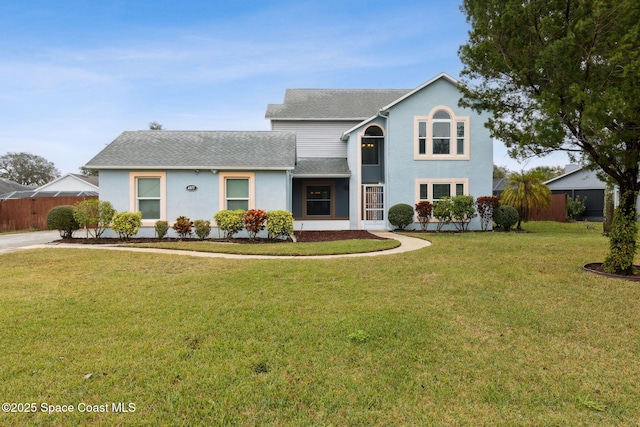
10 242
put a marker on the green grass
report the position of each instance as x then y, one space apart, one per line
497 329
281 249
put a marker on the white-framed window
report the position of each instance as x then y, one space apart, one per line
237 190
441 136
433 189
148 195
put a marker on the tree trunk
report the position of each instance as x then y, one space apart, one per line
607 213
622 238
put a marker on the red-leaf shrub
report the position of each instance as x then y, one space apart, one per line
253 221
424 209
487 206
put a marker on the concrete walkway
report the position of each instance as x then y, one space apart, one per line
407 244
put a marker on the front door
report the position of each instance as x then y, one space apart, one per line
373 207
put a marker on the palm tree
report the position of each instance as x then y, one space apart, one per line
526 192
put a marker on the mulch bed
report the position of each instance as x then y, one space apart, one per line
597 268
301 236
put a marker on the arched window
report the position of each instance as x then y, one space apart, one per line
371 143
441 132
441 136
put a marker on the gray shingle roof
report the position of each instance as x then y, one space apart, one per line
36 193
7 186
338 104
226 150
321 167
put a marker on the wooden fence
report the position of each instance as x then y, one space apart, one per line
557 210
31 213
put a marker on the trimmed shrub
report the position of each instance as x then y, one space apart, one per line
487 205
162 228
424 210
183 226
280 224
202 228
127 224
506 217
463 209
400 215
230 222
442 211
94 214
253 221
61 218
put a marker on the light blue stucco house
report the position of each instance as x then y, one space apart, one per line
336 158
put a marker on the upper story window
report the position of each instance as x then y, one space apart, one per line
441 136
371 144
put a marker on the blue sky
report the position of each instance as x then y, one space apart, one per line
75 74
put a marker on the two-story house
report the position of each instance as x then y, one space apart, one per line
361 151
336 158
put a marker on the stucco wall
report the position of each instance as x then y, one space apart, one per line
271 193
402 170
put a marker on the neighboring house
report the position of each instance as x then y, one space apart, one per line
335 158
72 182
8 186
578 182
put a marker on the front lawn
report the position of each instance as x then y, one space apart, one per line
280 249
478 329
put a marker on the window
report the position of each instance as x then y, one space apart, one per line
371 144
149 197
433 190
237 193
460 138
318 200
147 192
237 190
422 137
441 136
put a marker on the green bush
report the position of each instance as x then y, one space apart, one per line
506 217
400 215
575 207
622 243
183 227
442 211
230 222
61 218
280 224
127 224
463 210
202 228
162 228
94 214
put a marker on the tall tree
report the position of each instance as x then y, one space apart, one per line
526 192
500 171
27 169
563 75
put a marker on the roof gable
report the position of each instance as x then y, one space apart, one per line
225 150
387 107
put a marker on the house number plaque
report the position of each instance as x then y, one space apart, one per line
191 188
